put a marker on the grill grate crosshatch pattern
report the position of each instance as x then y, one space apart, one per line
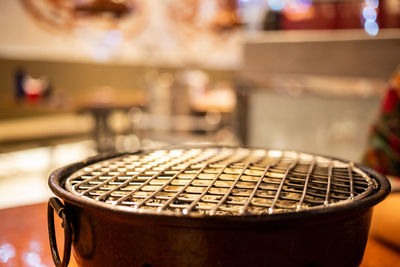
220 181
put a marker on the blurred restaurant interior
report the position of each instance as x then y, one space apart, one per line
83 77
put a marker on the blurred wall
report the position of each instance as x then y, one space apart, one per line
79 82
76 78
328 125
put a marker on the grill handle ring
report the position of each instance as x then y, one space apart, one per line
57 205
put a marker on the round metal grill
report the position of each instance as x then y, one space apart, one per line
220 181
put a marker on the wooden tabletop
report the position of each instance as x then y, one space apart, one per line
24 240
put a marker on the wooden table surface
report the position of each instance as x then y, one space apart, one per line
24 240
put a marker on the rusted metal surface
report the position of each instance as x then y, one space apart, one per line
106 241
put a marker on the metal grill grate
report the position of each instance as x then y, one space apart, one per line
220 181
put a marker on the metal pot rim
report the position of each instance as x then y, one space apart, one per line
58 177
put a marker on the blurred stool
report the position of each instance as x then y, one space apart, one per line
102 132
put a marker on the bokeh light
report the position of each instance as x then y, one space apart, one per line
369 13
276 5
371 27
372 3
7 252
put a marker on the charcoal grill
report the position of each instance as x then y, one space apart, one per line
215 206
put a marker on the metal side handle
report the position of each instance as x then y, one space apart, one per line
57 205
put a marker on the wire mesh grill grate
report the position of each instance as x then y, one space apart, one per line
220 181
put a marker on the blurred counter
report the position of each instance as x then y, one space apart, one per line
23 174
44 130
